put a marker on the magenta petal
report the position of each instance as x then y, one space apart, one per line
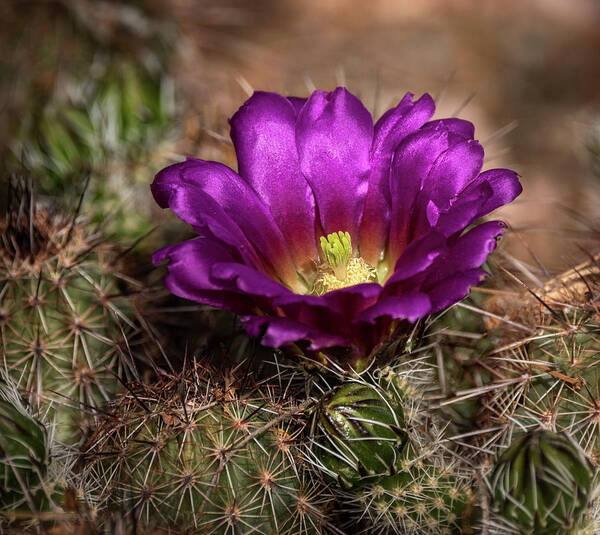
263 133
351 301
240 278
454 169
454 289
490 190
333 312
200 210
333 135
297 102
417 257
462 255
278 332
505 187
468 251
235 198
190 264
411 165
311 311
410 306
395 124
389 131
453 124
465 210
450 277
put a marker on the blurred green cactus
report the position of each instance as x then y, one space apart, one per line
542 484
115 128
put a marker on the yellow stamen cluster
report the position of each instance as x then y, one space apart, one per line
357 272
340 268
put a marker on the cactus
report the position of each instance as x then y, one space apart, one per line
37 482
24 453
547 358
68 327
542 484
428 496
417 484
194 453
363 433
537 376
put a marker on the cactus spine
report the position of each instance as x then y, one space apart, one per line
67 327
423 487
198 455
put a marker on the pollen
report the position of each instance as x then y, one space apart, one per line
357 272
340 268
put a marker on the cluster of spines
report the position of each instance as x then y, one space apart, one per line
428 487
195 452
68 325
548 375
541 369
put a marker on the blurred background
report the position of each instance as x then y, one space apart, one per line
100 94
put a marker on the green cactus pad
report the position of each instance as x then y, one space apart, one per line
542 484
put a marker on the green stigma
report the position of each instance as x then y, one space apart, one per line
337 248
341 268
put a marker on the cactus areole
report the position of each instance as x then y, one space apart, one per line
362 434
337 231
542 484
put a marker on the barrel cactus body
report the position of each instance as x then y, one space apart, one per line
68 329
362 430
546 361
429 496
542 484
204 461
417 484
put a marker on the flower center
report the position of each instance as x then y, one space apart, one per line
340 268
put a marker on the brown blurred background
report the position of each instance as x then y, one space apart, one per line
527 73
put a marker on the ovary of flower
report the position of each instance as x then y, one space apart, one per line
341 269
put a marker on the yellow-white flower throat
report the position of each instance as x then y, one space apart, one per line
340 267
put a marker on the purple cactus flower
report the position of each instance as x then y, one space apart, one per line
335 233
